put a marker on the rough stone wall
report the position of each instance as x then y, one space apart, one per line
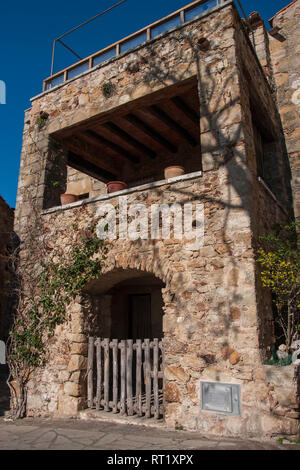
6 229
260 40
80 184
264 210
285 54
260 109
210 333
213 327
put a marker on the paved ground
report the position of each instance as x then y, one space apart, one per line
71 434
96 432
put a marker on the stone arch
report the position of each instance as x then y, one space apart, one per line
154 260
124 302
111 278
150 263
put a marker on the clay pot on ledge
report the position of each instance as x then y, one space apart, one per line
114 186
68 198
173 171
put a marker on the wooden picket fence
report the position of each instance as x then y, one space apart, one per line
126 376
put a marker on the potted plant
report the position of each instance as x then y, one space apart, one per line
173 171
114 186
68 198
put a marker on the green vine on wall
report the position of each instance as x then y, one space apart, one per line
108 89
42 119
279 259
57 284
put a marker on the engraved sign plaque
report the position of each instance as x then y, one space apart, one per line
221 398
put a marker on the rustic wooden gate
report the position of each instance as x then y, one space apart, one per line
126 376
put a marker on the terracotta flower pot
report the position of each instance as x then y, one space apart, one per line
173 171
114 186
68 198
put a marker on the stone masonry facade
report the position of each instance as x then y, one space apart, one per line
285 53
217 318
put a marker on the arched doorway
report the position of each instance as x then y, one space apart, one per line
125 363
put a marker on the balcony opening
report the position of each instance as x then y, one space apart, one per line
266 148
133 143
263 139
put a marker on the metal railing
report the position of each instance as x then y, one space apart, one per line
179 17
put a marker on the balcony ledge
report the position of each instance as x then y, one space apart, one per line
124 192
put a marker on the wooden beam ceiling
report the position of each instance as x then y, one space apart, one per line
159 114
187 110
100 141
129 134
81 164
152 133
92 154
114 129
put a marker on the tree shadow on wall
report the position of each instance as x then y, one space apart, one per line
229 151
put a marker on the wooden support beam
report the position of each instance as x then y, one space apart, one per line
123 376
115 375
187 111
150 132
99 374
138 388
101 158
90 372
98 140
148 377
181 131
106 373
80 163
129 396
155 377
129 139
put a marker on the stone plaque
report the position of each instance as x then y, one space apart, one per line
221 398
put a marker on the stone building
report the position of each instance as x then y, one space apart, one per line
6 232
285 53
6 229
213 93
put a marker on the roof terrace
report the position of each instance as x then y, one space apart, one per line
182 16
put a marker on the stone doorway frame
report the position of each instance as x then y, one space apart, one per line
110 277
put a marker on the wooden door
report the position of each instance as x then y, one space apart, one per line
140 326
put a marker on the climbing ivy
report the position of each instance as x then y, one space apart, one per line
42 120
279 259
45 289
57 284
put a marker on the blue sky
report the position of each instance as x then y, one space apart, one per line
27 30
